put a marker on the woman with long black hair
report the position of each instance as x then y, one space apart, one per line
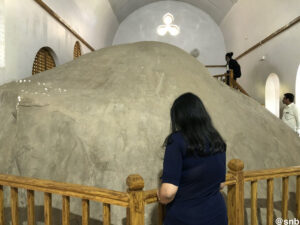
194 167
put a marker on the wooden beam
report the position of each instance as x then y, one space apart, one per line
62 22
213 66
270 37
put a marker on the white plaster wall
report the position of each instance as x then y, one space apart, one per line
28 28
198 30
85 16
2 36
298 89
250 21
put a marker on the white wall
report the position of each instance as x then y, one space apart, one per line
250 21
2 36
198 30
298 89
28 28
94 20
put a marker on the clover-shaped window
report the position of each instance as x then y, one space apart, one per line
168 26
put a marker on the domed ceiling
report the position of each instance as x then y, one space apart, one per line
217 9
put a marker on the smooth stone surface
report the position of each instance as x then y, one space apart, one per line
105 115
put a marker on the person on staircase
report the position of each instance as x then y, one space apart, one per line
232 65
290 114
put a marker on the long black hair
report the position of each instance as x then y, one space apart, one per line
189 116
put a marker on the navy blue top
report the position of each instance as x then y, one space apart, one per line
198 200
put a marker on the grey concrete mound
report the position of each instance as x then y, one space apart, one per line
103 116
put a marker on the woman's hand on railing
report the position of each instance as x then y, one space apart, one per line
166 193
222 185
157 193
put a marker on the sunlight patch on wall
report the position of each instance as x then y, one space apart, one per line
272 94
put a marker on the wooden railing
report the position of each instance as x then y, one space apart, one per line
128 199
135 199
228 79
235 180
236 168
215 66
269 175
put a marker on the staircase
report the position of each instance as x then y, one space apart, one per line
228 79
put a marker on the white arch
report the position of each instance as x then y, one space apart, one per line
297 88
272 94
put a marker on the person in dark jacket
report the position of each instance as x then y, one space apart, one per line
194 168
233 65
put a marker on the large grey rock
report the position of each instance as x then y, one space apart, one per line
101 117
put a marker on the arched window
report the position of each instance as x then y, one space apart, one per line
43 61
77 50
272 94
297 88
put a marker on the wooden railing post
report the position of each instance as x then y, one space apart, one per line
231 78
161 213
106 214
30 208
298 197
235 200
136 209
1 205
14 206
85 211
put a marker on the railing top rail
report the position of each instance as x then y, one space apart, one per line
222 75
236 84
230 179
265 174
150 195
215 66
67 189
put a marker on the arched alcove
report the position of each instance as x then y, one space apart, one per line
43 61
272 94
77 50
297 88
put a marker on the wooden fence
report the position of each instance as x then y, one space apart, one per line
135 199
228 79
